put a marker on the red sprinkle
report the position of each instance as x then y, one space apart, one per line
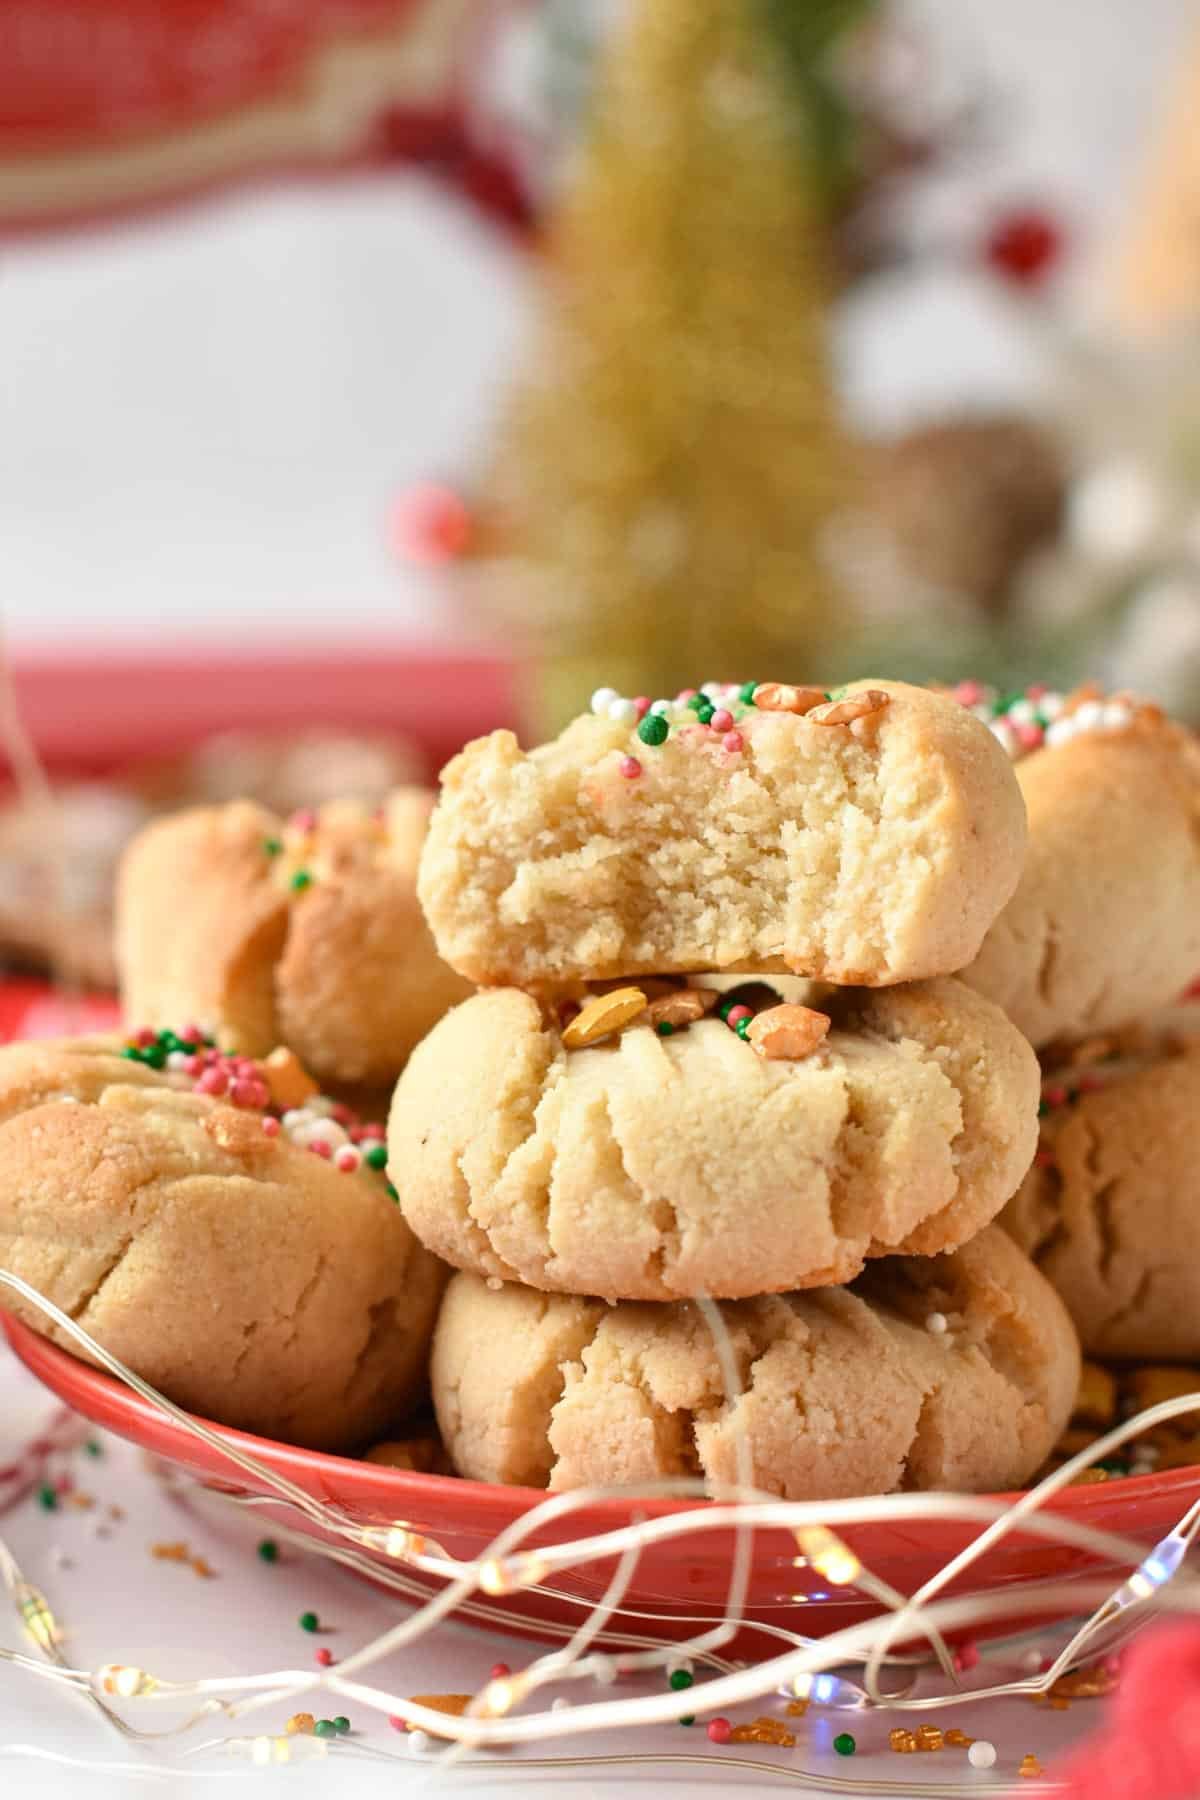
631 768
347 1159
1055 1096
500 1671
145 1038
1090 1084
1044 1159
397 1723
966 1657
722 719
270 1125
341 1114
733 740
737 1013
969 693
719 1731
642 703
213 1081
320 1147
373 1130
325 1658
1036 690
245 1091
1029 737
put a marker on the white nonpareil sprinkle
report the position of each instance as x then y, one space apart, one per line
418 1742
560 1704
602 699
622 712
981 1754
937 1323
605 1670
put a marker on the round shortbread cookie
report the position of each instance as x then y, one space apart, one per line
658 1168
1111 1210
248 1279
1105 923
846 1390
306 932
867 852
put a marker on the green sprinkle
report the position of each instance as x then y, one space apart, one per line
93 1447
726 1007
131 1053
1115 1465
746 692
838 693
653 729
376 1156
268 1551
154 1057
341 1724
664 1028
393 1192
844 1744
300 880
688 1719
272 846
704 713
1043 1109
680 1679
47 1498
309 1621
742 1027
697 701
325 1728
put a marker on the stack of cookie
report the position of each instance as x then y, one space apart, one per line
720 1053
1090 958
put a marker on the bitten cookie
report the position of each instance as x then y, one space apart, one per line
199 1240
306 932
1105 923
1111 1210
868 840
951 1372
645 1166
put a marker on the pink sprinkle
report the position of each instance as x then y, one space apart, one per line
1112 1664
969 693
684 695
397 1723
347 1159
722 719
145 1038
734 741
245 1092
500 1671
737 1013
643 705
325 1658
1030 737
192 1034
374 1130
342 1114
1055 1096
719 1731
320 1147
64 1484
192 1066
1036 691
966 1657
631 768
270 1125
303 820
213 1081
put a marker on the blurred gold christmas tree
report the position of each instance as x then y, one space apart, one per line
665 470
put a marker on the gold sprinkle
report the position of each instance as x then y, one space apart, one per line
84 1502
288 1081
930 1737
764 1730
301 1722
796 1709
603 1015
959 1739
454 1705
902 1741
1030 1766
1088 1478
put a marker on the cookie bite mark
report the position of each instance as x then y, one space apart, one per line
876 847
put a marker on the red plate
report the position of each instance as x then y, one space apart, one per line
677 1582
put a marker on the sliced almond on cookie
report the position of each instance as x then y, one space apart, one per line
603 1015
681 1008
787 1033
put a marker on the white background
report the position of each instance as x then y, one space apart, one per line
203 418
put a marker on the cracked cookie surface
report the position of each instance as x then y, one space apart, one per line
845 1391
1111 1211
655 1168
242 1275
866 853
306 932
1105 923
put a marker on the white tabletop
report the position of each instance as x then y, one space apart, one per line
117 1603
